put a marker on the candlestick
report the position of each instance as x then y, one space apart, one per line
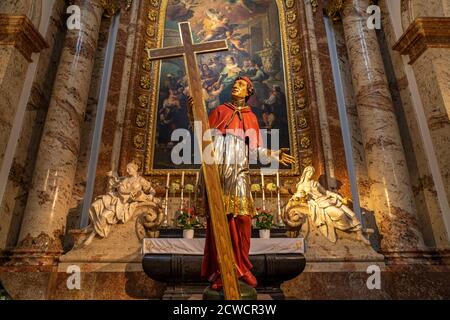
165 222
168 180
279 218
263 192
182 190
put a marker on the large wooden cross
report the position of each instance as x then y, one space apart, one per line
189 51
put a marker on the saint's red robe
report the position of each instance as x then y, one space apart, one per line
243 123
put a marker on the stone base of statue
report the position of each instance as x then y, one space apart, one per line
247 293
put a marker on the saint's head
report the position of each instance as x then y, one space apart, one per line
242 89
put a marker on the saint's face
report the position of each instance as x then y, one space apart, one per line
239 90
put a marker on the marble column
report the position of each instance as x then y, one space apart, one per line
44 221
390 187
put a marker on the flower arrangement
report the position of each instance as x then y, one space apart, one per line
175 187
264 220
186 219
256 188
189 188
272 187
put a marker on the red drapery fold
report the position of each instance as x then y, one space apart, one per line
240 232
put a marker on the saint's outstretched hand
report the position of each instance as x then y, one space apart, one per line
283 156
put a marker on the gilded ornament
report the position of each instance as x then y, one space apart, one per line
314 5
291 17
140 120
302 122
305 142
290 3
110 7
334 10
151 32
297 65
145 82
143 101
293 32
301 103
295 49
149 44
138 141
152 15
154 3
146 64
299 84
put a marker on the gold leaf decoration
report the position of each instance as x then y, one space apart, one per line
140 120
145 81
291 17
138 141
143 101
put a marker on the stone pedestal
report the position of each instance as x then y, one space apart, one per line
182 274
49 196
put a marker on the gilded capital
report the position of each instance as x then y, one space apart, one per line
334 9
111 7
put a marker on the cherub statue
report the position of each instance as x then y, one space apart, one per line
328 210
126 196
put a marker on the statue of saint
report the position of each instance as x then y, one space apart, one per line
125 196
327 209
237 136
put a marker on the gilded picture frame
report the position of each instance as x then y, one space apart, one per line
296 96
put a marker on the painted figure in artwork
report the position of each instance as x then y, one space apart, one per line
236 140
252 30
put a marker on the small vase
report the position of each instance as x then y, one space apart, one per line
188 234
264 233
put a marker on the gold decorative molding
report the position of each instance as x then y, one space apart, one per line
422 34
144 114
334 10
295 82
314 5
111 8
20 32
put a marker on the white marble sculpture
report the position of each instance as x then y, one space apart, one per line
126 196
327 210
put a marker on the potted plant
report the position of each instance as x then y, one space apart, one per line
188 221
264 222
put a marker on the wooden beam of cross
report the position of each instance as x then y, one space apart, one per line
219 223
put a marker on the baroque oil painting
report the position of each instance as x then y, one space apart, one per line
252 30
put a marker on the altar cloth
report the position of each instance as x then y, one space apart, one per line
196 246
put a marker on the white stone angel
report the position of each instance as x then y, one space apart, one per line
125 195
328 210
